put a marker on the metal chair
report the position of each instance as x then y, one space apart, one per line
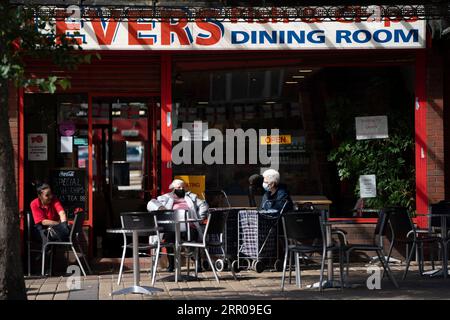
141 220
305 234
380 231
164 216
36 234
75 232
144 246
215 225
404 231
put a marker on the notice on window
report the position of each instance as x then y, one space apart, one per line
66 144
368 186
198 131
37 147
371 127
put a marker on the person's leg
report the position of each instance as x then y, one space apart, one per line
170 238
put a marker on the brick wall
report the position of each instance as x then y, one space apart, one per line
435 125
14 125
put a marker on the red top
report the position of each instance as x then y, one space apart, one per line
50 212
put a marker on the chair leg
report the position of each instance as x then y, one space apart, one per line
155 264
78 260
84 258
29 257
322 267
408 260
347 266
298 279
386 267
341 267
283 275
44 248
51 261
211 264
122 261
196 262
290 266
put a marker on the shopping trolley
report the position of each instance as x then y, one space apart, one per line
258 240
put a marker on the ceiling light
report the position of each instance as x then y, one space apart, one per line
305 70
270 102
298 77
291 82
202 102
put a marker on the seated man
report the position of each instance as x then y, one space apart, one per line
48 212
276 194
180 199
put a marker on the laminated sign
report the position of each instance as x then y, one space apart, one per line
368 186
37 147
371 127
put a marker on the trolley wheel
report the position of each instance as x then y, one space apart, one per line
219 265
234 267
249 264
278 265
259 266
206 265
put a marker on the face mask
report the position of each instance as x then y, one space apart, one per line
180 193
265 186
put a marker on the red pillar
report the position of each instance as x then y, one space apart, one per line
166 121
421 137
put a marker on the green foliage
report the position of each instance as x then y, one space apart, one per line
386 158
24 39
390 160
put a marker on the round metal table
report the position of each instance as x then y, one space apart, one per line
136 288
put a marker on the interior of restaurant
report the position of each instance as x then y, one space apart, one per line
315 107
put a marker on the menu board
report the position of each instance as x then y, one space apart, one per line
70 187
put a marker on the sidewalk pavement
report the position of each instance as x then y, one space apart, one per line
249 285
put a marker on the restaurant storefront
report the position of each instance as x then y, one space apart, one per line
115 138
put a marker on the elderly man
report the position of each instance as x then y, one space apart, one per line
276 194
180 199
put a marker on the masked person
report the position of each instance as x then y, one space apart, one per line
276 195
48 213
180 199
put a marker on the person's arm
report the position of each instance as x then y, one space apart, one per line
49 223
59 208
203 207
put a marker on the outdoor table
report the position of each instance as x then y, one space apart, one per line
444 270
177 241
330 282
136 288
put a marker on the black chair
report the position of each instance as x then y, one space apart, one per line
144 247
170 215
36 236
215 226
141 220
404 231
304 234
74 239
434 223
380 232
216 199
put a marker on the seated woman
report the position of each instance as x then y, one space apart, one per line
48 212
180 199
276 195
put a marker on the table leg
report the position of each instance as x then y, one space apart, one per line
329 255
136 288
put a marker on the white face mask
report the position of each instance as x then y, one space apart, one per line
265 186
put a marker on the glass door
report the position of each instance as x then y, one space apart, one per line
124 157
